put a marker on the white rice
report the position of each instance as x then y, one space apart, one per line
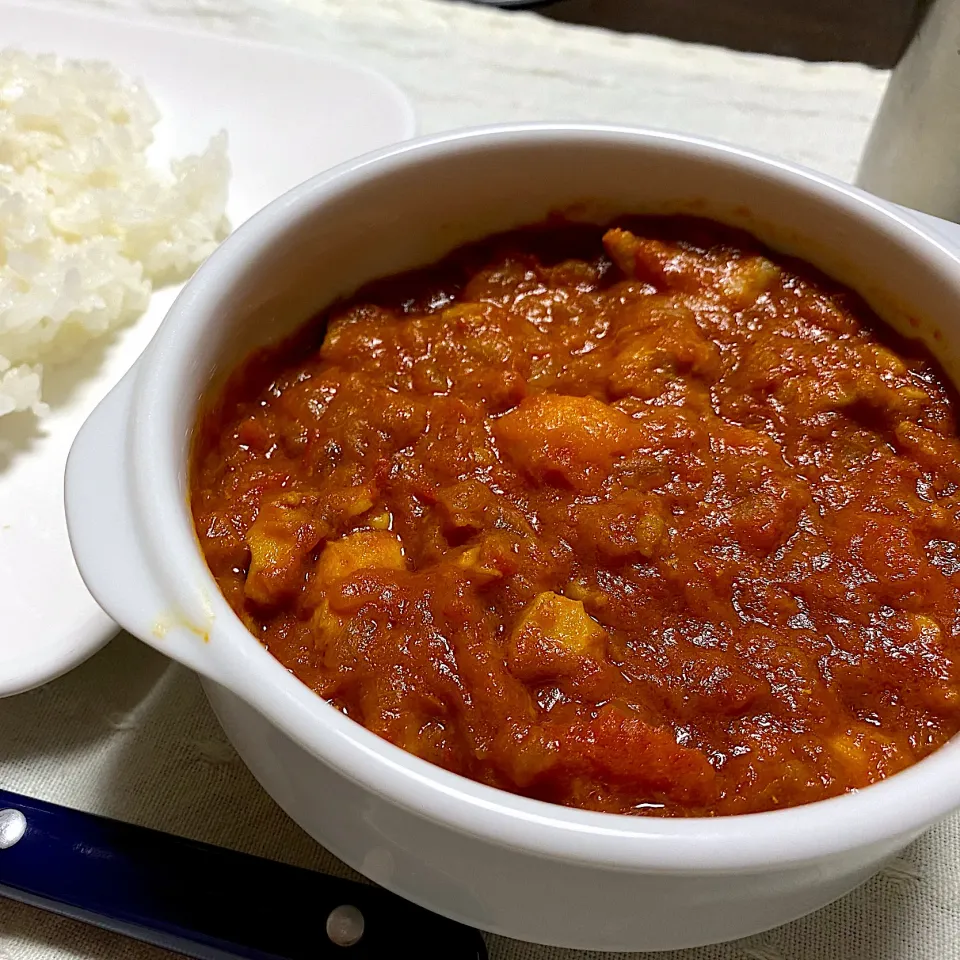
86 227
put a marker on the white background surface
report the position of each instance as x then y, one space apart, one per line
129 734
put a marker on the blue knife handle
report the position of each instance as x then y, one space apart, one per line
205 901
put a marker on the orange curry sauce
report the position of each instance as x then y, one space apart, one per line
645 520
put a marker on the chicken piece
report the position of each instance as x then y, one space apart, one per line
350 503
930 649
356 336
569 273
667 266
859 384
284 533
630 751
765 519
628 527
466 507
325 625
288 529
588 593
475 566
620 748
931 449
495 556
744 279
674 346
554 623
469 507
896 562
556 641
865 752
884 360
740 281
567 439
711 686
364 550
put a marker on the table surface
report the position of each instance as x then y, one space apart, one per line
130 735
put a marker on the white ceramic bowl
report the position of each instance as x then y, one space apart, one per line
500 862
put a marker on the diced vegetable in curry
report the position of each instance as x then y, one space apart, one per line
645 520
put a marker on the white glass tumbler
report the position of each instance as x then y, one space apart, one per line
912 155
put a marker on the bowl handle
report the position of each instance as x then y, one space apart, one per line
106 541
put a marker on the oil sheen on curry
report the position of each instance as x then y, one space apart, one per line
642 519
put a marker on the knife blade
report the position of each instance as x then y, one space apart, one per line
205 901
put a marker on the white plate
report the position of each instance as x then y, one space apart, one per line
288 117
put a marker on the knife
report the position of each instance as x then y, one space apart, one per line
205 901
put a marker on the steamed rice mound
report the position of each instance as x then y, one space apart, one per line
86 226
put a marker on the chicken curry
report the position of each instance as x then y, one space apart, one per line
644 519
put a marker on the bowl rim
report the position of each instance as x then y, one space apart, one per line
897 807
